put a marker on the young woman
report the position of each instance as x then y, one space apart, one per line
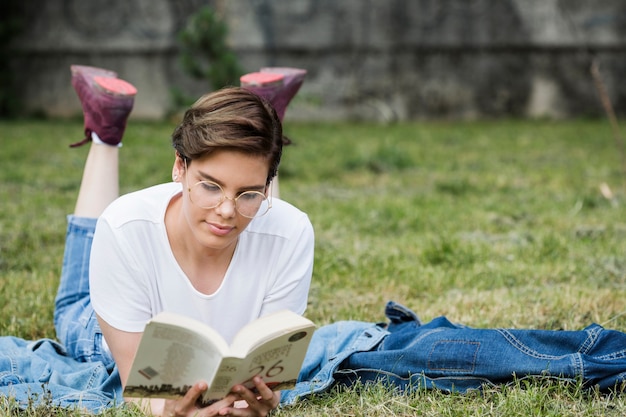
213 244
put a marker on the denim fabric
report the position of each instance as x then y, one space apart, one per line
329 347
74 318
453 357
78 371
42 373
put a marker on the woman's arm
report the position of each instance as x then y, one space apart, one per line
123 346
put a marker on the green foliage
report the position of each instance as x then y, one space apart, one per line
492 224
205 53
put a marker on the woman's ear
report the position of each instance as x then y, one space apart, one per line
269 187
177 168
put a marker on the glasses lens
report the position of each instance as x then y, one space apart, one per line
252 204
206 194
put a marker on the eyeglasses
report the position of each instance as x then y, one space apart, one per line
208 195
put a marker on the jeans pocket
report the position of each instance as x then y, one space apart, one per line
453 356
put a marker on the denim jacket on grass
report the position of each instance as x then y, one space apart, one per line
41 373
407 354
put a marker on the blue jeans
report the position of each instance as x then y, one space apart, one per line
42 373
77 371
408 354
74 318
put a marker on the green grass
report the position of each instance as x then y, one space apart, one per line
493 224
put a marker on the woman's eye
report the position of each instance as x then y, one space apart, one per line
250 196
213 188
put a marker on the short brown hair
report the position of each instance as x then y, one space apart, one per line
231 118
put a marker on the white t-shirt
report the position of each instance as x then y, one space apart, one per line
133 274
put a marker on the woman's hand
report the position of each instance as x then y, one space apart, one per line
258 404
239 402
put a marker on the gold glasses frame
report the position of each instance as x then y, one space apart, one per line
266 197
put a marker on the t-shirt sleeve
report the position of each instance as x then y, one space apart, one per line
290 288
117 286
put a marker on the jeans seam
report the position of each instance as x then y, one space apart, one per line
522 347
415 341
578 365
590 341
613 355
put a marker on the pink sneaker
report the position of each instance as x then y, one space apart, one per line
262 84
106 101
292 81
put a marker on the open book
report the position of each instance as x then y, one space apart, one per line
176 351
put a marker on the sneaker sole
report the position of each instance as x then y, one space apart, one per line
115 86
261 79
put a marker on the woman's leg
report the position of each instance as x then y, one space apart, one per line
106 108
100 183
74 319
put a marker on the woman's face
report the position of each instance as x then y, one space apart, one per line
218 228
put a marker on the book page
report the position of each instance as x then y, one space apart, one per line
277 362
266 328
169 361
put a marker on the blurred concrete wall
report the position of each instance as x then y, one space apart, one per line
366 59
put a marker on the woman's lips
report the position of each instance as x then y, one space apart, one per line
220 230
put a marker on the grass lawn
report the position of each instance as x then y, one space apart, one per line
492 224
